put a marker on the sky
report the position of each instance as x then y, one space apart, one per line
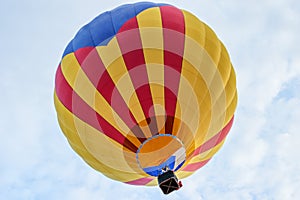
259 159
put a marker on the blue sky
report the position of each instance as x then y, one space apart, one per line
260 157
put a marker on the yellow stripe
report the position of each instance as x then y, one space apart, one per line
196 113
151 35
150 18
216 50
224 64
152 183
183 174
231 97
206 64
189 101
156 82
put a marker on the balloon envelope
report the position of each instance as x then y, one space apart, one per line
143 87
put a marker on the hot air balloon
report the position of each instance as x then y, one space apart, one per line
146 94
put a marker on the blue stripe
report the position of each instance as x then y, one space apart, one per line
105 26
180 165
157 170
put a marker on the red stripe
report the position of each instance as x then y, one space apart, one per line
170 105
95 70
60 86
141 181
173 30
129 41
91 64
141 85
130 24
82 53
174 36
132 50
148 109
172 18
83 111
215 140
194 166
112 95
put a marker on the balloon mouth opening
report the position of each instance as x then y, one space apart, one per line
159 152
